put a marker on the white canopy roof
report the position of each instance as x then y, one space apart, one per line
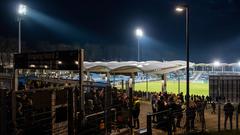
156 67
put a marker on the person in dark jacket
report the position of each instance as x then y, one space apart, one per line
174 108
228 109
160 107
136 112
213 107
191 114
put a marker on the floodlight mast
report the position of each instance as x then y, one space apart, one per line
139 35
22 11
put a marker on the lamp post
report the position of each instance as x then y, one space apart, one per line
180 9
139 34
22 10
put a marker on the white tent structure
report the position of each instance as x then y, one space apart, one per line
132 67
155 67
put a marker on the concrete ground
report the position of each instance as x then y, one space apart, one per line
211 120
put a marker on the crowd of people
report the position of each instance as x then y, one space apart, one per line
95 101
176 103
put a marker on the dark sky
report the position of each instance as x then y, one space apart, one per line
214 26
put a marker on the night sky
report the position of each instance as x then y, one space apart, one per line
107 24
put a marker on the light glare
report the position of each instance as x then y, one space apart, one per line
22 9
139 32
76 62
179 9
32 66
216 63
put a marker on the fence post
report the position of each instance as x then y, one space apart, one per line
70 111
237 119
130 109
3 109
170 120
219 115
53 109
149 124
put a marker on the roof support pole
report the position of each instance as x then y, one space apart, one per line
147 85
164 82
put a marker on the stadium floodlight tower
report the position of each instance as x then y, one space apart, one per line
139 35
181 9
22 11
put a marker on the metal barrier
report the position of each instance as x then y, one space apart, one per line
99 123
42 111
221 114
51 111
164 118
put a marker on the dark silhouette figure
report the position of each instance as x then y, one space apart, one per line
136 112
213 107
228 109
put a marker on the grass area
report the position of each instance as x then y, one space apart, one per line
197 88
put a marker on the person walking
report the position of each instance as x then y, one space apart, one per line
228 109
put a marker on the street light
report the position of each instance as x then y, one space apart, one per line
139 34
22 10
180 9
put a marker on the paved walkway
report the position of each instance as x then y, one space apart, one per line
211 120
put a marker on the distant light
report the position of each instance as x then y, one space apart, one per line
179 9
45 66
32 66
22 9
216 63
139 32
76 62
59 62
238 63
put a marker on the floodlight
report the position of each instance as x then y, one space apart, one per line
216 63
139 32
22 9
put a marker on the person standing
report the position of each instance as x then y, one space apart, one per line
213 107
191 113
154 106
180 114
136 112
228 109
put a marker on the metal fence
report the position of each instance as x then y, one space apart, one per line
52 111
